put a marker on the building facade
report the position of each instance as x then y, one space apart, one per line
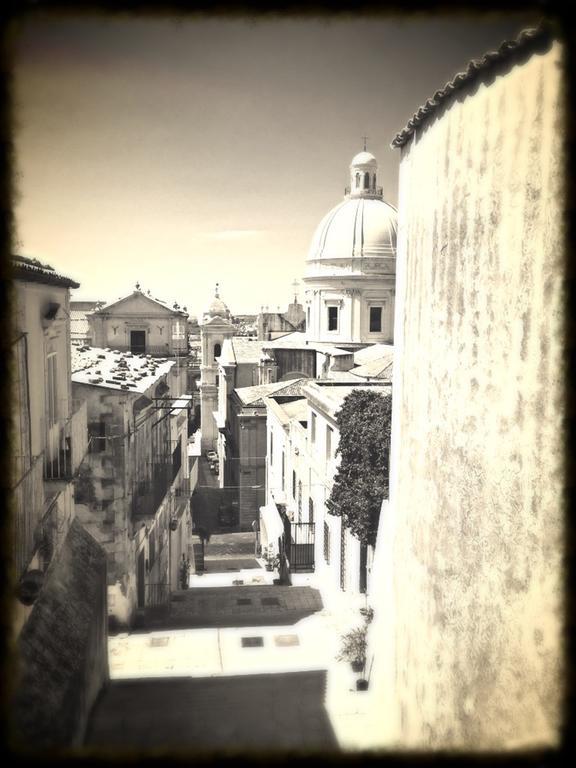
272 325
216 326
140 324
59 616
133 492
302 440
467 644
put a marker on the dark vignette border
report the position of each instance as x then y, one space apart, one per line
555 13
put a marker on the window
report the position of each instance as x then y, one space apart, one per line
308 318
293 484
357 180
176 460
326 543
283 469
366 180
271 448
152 547
313 428
374 181
51 389
299 501
96 436
217 350
329 432
310 510
332 318
177 330
375 319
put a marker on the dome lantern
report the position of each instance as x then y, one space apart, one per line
363 170
218 308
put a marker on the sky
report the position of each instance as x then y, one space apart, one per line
179 153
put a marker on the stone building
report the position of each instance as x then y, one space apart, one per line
141 324
59 615
80 331
245 446
133 492
302 440
351 265
467 638
216 326
272 325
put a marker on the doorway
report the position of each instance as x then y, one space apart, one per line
138 342
141 580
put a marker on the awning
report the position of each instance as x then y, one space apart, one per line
271 523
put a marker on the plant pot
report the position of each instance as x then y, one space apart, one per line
361 684
357 666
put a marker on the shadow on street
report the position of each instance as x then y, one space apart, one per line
245 712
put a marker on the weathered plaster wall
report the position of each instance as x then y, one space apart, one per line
63 655
470 617
104 506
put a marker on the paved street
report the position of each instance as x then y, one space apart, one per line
227 552
235 606
254 712
235 663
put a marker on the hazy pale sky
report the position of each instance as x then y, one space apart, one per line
181 153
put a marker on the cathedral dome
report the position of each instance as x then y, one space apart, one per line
364 158
358 227
362 226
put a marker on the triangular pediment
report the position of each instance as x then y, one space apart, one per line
218 322
137 303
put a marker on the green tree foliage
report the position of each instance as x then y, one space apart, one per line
361 482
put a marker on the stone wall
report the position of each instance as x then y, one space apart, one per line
469 649
62 650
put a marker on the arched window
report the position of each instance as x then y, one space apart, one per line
217 350
366 180
374 181
357 180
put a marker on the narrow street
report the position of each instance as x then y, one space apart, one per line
234 662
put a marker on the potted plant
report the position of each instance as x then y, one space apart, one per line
272 561
353 648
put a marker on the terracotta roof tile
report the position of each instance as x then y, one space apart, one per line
536 39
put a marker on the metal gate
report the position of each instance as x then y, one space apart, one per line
301 551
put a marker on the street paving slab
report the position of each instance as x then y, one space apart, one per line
234 606
246 713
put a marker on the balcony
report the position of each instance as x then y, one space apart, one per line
28 498
66 445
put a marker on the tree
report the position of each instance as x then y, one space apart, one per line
361 482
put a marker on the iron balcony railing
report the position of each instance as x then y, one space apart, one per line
66 445
28 500
157 594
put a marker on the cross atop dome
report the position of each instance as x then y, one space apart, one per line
365 139
216 294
